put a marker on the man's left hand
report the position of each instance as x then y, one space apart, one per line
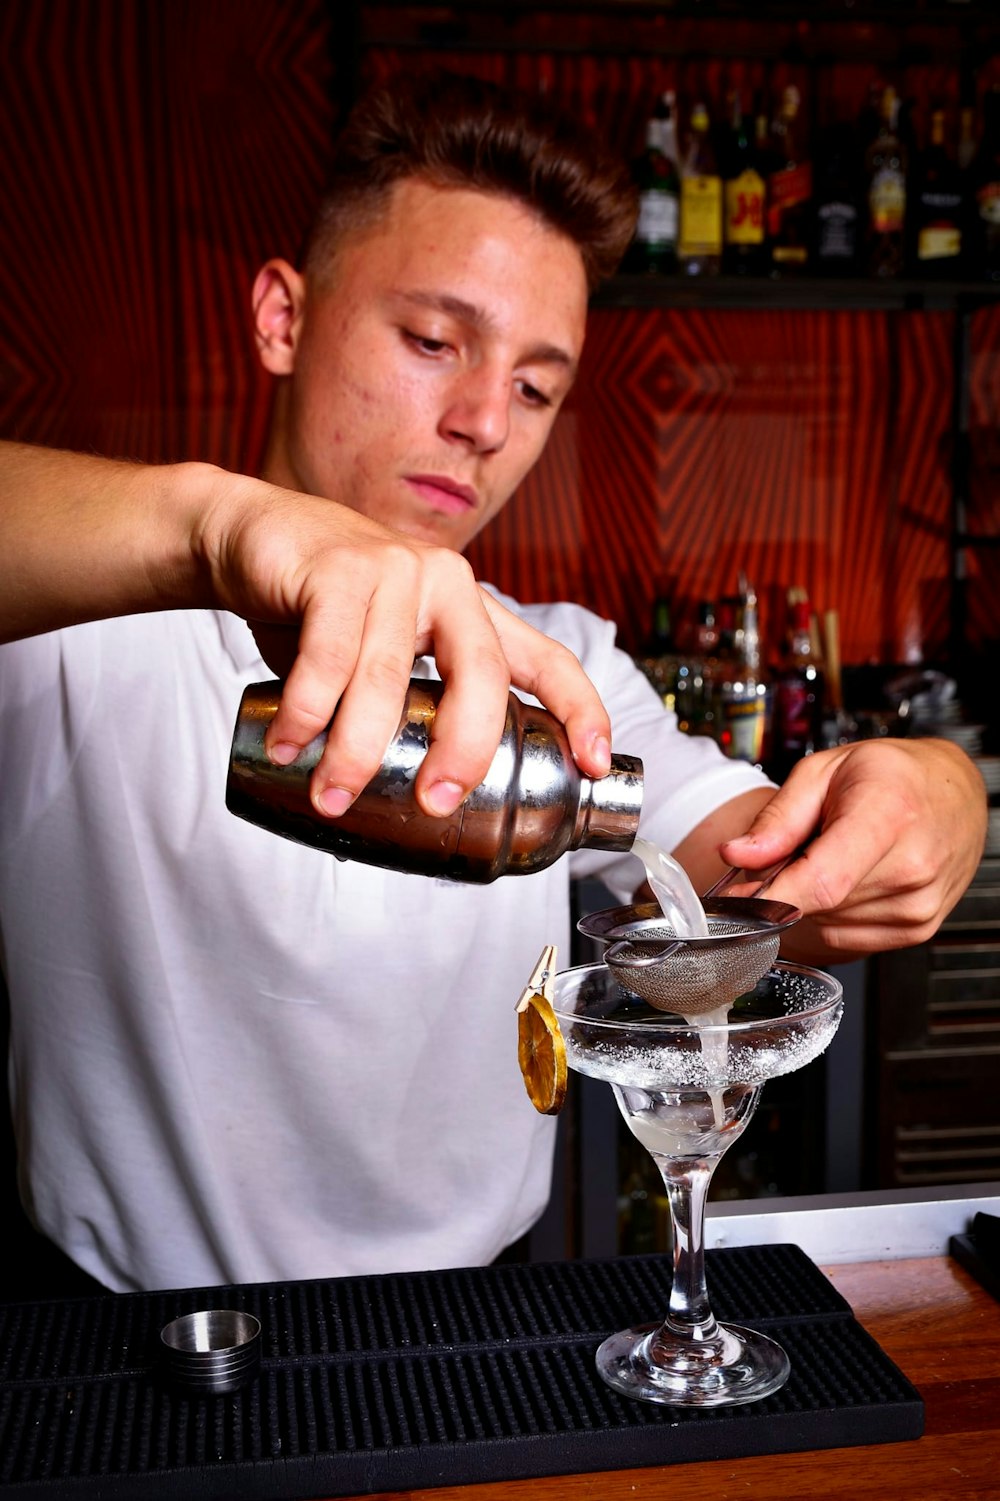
897 829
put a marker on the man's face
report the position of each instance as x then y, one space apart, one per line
425 377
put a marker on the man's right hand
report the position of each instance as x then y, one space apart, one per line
340 607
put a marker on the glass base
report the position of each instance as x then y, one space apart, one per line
652 1363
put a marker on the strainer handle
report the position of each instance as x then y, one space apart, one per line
624 952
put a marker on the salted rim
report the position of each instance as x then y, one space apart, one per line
660 1027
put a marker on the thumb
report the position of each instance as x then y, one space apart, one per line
783 824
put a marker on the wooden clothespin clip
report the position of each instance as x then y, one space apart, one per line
543 976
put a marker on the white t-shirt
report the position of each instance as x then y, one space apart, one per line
235 1059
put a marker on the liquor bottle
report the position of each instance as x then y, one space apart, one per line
984 175
654 245
798 689
937 212
744 252
907 131
837 221
789 190
657 657
869 121
697 713
966 148
706 631
885 169
763 155
700 247
764 159
741 694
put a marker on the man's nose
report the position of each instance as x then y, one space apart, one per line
478 412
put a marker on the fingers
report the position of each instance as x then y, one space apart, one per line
353 663
472 711
850 823
467 729
355 656
553 674
788 819
438 606
446 609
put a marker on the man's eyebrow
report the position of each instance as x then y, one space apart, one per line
478 317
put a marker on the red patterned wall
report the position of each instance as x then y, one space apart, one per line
155 154
804 447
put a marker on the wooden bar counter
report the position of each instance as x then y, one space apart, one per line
939 1326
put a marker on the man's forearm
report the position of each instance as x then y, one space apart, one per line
84 537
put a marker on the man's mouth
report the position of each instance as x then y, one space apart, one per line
443 494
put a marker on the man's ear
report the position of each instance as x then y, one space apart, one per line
278 299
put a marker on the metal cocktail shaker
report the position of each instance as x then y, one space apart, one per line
532 806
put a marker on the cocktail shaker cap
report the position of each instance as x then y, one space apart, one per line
610 807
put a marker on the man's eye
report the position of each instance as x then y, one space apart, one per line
428 345
533 396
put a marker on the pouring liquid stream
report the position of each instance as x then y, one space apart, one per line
683 911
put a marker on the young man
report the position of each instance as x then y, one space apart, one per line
235 1059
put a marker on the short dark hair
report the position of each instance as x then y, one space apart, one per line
455 131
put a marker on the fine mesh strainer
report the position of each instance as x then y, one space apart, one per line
692 976
695 975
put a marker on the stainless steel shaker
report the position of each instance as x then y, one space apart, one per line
532 806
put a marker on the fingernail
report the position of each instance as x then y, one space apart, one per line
334 801
602 752
282 754
443 797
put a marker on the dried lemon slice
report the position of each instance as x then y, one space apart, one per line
541 1051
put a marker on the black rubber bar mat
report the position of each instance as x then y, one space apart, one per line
979 1251
438 1378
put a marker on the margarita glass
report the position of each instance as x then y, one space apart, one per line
687 1092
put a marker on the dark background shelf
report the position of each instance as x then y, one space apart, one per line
820 293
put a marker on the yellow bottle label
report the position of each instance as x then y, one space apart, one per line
887 201
938 242
741 728
790 255
701 216
745 209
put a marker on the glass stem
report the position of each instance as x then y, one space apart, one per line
686 1182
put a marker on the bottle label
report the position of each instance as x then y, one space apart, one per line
745 209
939 242
701 216
838 229
784 191
796 708
741 728
887 201
658 215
